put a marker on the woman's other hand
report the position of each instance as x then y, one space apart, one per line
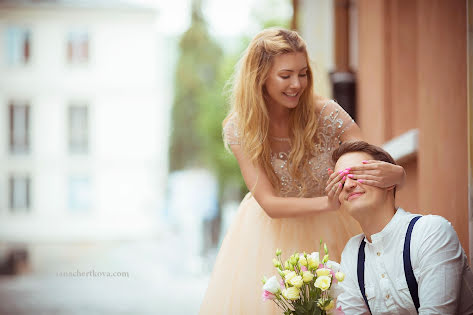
334 187
378 173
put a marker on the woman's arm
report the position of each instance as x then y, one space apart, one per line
279 207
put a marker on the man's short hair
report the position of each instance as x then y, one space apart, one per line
361 146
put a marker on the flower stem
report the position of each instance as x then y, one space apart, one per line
279 305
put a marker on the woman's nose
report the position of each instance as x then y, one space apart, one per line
295 83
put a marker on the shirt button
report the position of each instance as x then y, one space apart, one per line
387 296
382 276
378 253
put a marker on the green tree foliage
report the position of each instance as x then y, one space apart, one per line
196 73
201 104
215 108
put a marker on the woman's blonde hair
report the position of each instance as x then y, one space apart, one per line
248 103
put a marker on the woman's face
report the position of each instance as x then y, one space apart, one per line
287 79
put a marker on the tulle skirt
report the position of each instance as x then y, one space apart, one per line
247 250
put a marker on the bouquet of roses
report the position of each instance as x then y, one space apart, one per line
308 286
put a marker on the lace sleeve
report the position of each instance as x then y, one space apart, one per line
334 121
230 132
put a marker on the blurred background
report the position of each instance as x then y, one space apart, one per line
115 187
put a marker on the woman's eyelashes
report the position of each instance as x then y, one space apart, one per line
288 76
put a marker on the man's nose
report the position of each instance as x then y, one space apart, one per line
350 183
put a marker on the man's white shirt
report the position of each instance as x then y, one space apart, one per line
438 260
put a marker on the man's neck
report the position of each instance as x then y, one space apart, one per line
375 219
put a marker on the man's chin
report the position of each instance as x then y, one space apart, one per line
354 209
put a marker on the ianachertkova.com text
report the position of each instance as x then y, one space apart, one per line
92 273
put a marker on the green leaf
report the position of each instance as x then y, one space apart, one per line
310 305
300 309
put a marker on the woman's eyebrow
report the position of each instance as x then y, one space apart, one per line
290 70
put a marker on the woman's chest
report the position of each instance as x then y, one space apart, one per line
314 175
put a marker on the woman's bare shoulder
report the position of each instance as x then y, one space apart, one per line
320 102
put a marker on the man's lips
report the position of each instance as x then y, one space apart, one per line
354 195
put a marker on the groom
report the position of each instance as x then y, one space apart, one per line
402 261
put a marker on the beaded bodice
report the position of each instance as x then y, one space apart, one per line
333 121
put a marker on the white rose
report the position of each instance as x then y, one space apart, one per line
290 275
313 260
296 281
272 285
302 261
291 293
323 283
340 276
323 272
333 265
307 276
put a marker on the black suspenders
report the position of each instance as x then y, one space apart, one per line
360 271
406 255
409 273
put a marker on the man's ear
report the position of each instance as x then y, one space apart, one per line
393 190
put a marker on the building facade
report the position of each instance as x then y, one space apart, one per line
411 94
84 119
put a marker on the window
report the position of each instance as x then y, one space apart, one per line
18 45
78 129
77 47
19 139
79 193
19 191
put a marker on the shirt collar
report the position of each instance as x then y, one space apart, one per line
390 226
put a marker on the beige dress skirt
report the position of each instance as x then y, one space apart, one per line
249 246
